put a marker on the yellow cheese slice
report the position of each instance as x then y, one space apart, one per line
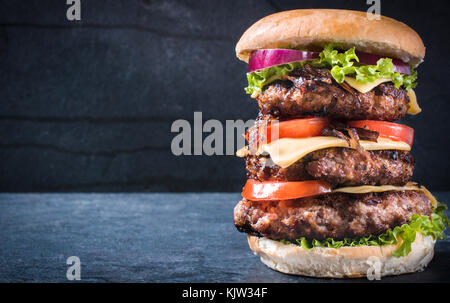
364 87
286 151
414 107
242 152
430 196
364 189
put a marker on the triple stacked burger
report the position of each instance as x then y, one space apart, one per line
329 191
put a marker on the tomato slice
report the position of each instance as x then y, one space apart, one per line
295 128
394 131
283 190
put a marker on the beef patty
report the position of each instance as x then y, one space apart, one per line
334 216
338 166
313 91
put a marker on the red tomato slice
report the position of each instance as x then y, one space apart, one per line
279 190
394 131
296 128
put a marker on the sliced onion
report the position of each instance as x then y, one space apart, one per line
371 59
265 58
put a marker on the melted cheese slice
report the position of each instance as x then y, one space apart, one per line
364 189
364 87
286 151
414 107
430 196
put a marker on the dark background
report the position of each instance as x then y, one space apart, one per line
88 105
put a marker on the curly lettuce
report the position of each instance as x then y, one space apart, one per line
258 79
428 226
341 64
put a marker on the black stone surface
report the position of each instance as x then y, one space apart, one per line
88 105
143 238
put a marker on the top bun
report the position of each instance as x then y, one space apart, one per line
310 29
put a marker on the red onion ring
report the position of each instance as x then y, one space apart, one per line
371 59
265 58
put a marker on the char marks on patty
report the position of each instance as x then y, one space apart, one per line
313 91
338 166
334 216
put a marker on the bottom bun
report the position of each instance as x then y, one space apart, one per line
372 262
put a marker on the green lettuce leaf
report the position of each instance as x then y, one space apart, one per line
340 64
434 226
258 79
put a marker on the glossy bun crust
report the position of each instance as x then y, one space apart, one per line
310 29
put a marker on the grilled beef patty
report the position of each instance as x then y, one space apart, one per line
338 166
313 91
334 216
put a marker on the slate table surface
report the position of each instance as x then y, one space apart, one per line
148 237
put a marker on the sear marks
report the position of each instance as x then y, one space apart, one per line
334 216
338 166
313 91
